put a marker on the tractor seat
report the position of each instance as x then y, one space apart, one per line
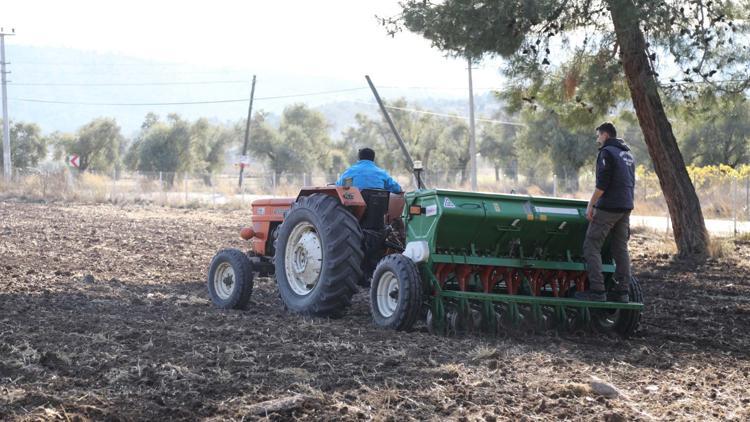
377 208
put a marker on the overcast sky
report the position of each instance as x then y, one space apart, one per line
338 39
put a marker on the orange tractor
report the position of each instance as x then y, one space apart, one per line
330 242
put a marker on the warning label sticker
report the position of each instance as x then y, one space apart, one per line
430 210
447 203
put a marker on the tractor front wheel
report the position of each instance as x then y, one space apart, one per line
396 293
230 279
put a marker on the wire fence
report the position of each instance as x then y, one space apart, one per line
724 195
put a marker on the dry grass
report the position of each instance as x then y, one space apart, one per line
667 245
98 187
574 389
645 230
720 248
483 353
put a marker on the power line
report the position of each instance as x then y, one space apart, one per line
238 100
96 64
242 100
125 83
83 84
309 94
454 116
34 100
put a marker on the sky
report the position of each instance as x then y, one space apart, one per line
336 39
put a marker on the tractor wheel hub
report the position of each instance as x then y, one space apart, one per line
303 258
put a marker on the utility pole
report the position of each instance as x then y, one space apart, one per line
472 133
7 173
247 128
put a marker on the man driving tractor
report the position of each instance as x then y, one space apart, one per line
366 175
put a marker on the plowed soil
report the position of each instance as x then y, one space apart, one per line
104 315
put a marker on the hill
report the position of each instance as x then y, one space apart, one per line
62 89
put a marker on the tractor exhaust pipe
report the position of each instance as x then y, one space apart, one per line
416 167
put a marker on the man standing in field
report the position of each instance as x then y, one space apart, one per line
609 212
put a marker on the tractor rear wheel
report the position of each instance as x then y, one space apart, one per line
396 293
230 279
318 256
620 321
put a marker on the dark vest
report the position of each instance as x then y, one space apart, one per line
615 170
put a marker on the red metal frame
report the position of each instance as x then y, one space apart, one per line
559 281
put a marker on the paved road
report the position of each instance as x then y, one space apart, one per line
716 227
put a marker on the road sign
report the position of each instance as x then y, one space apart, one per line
242 161
74 161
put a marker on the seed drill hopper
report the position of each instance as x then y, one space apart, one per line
495 262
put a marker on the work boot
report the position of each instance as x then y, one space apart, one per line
592 296
621 296
618 292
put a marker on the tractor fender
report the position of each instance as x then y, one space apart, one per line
348 196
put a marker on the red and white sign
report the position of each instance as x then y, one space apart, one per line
74 161
242 161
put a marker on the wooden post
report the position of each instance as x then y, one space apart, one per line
734 204
247 128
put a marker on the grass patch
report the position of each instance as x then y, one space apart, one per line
720 248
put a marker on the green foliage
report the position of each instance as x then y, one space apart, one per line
470 28
420 133
97 144
628 129
706 39
562 55
27 145
179 146
301 144
568 149
442 144
497 143
718 132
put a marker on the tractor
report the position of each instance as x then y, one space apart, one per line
460 261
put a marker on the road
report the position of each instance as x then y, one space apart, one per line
715 227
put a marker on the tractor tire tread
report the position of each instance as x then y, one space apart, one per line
410 284
630 321
244 274
342 255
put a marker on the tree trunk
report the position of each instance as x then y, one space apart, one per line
497 173
464 171
684 207
570 182
83 163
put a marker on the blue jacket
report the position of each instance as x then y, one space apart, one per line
366 175
615 175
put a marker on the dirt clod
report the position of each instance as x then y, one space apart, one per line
602 388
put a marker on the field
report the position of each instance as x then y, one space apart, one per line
104 315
